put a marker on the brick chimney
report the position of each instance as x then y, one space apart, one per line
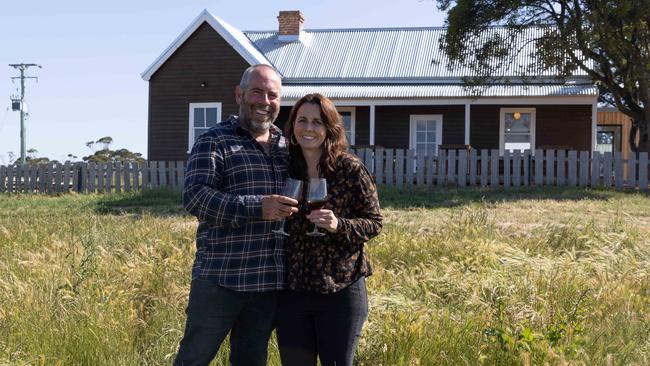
290 25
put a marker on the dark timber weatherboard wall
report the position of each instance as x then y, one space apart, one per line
392 124
204 57
555 125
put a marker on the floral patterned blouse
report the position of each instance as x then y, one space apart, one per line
327 264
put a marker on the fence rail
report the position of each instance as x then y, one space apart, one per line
391 167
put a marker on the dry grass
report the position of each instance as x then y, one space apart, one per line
461 277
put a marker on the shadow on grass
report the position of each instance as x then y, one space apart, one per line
432 197
157 202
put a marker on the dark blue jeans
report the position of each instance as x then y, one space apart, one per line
326 326
213 311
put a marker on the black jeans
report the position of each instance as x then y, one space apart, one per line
213 311
327 326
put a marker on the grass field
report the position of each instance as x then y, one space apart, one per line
558 277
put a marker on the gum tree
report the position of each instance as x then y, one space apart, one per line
609 40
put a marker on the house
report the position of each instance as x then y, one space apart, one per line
391 86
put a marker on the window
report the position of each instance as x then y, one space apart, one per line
202 117
517 129
425 133
608 138
348 116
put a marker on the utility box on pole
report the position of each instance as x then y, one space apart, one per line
16 105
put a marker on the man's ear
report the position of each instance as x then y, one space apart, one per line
238 94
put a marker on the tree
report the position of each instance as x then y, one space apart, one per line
106 155
609 40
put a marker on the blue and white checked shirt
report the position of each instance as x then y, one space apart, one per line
228 172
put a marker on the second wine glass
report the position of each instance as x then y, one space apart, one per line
293 189
316 198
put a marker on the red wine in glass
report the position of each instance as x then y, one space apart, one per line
316 196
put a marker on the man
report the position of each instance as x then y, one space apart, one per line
233 174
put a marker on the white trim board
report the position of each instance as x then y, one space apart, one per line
230 34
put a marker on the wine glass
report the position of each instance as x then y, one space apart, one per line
292 188
316 195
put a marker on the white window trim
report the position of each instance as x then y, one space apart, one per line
502 124
413 121
190 138
353 122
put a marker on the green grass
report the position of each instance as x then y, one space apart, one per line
462 277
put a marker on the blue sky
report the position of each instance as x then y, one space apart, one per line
93 53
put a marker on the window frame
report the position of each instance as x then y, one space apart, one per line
413 130
502 124
190 136
353 122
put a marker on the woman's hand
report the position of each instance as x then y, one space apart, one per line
324 219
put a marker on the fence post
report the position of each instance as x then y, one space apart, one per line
473 162
516 168
3 176
561 168
399 167
618 170
420 170
390 180
127 177
484 168
631 170
494 167
441 172
379 165
539 168
410 167
573 168
462 168
643 171
607 169
550 164
506 169
451 167
595 168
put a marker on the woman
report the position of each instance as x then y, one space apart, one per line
323 311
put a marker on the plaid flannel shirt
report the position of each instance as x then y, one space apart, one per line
228 172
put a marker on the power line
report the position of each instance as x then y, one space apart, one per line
19 104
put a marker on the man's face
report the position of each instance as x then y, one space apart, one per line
259 104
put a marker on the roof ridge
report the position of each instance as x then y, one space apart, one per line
388 29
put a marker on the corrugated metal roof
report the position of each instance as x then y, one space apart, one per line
290 92
385 54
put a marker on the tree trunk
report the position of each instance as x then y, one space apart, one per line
639 130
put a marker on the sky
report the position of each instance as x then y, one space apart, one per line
93 53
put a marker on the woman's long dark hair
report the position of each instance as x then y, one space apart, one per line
335 142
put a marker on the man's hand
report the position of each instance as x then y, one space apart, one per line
324 219
276 207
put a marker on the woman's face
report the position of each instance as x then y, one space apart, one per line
309 128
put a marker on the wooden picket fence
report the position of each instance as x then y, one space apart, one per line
463 168
391 167
90 177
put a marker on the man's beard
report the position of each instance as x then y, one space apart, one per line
247 119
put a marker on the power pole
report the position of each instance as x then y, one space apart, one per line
21 104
